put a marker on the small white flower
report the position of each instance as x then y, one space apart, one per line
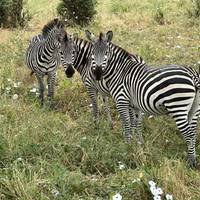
8 88
15 85
9 80
94 178
55 192
136 180
152 183
33 90
157 197
15 97
19 159
117 197
121 166
169 197
159 191
90 105
37 94
150 116
154 191
178 47
198 62
84 138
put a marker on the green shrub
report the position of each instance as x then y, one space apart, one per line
77 11
13 14
195 9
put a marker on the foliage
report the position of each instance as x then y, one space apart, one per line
13 13
78 11
59 153
194 11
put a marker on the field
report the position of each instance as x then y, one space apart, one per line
59 153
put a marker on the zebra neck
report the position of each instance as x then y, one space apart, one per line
83 55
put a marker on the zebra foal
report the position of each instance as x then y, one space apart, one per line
43 55
172 89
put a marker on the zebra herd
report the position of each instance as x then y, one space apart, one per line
109 70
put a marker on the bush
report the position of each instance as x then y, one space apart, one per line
77 11
194 11
13 14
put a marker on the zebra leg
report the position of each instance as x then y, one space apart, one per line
107 110
136 122
93 96
190 137
123 109
51 83
40 78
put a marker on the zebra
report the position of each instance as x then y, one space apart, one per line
172 89
43 55
78 56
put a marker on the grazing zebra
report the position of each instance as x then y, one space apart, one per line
171 89
43 55
77 55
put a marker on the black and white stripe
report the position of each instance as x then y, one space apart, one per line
172 90
43 55
78 56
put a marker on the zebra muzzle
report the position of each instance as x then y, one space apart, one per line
98 73
69 71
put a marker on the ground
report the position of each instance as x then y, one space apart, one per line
59 153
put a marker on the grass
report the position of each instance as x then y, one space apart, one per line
59 153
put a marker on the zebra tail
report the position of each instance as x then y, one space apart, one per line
31 74
196 102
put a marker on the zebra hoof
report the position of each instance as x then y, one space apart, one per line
192 163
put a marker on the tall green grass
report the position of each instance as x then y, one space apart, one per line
59 153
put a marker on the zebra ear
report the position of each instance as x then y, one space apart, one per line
89 35
109 36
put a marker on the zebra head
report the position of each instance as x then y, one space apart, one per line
100 53
68 54
54 32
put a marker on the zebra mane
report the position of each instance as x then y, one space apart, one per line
50 25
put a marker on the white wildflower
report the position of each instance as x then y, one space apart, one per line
33 90
37 94
84 138
19 159
154 190
121 166
90 105
178 47
55 192
117 197
136 180
8 88
157 197
159 191
198 62
15 97
150 116
152 183
94 178
9 80
169 197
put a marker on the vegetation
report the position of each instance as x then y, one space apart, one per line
13 13
59 153
77 11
